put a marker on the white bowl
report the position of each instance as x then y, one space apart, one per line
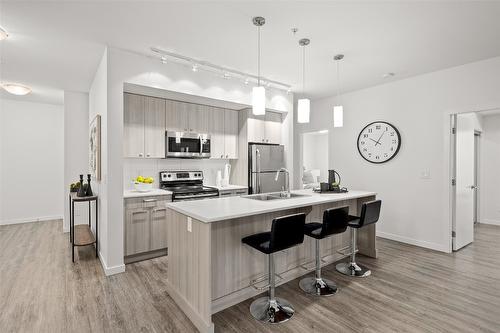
143 187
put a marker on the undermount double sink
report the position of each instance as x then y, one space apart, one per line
273 196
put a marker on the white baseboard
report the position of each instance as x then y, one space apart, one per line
111 270
489 221
416 242
31 219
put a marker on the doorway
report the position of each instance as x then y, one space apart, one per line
475 186
314 159
477 170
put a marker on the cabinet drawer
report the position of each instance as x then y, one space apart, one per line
241 192
147 202
226 193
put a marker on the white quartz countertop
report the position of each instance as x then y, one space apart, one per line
137 194
230 187
213 210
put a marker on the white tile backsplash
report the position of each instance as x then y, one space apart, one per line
133 167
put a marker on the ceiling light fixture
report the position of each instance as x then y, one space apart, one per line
3 34
16 89
247 80
338 110
163 60
259 92
194 68
388 75
226 75
303 104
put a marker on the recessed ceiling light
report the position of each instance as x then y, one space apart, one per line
247 80
16 89
195 68
163 60
289 90
3 34
387 75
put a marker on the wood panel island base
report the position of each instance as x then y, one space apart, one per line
209 269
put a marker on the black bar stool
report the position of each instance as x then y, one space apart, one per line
286 232
334 222
370 212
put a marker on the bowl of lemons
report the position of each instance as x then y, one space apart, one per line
143 184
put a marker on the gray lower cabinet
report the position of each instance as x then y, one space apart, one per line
145 227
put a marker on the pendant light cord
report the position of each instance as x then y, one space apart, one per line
303 69
258 57
338 82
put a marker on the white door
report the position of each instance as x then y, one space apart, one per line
463 225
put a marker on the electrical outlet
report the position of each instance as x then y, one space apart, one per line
426 174
190 224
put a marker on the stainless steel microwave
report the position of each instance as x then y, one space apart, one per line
187 145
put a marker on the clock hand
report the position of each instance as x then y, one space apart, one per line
378 141
374 141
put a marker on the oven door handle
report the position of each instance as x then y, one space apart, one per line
201 144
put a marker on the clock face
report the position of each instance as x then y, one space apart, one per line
379 142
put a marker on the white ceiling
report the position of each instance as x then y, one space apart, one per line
57 45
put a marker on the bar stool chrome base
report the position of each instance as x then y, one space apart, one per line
353 269
274 312
318 287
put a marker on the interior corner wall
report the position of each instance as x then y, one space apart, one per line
98 105
415 207
76 161
489 186
31 158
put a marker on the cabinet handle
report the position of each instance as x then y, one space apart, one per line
190 130
267 140
227 156
148 155
141 154
159 210
241 192
221 156
225 193
149 200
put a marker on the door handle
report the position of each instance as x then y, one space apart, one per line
257 151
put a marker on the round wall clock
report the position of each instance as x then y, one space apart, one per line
379 142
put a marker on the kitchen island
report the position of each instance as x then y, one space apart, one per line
209 269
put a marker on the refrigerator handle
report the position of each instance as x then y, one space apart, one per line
257 151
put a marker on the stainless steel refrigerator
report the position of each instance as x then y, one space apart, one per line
263 163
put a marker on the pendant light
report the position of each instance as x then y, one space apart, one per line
338 110
259 92
303 104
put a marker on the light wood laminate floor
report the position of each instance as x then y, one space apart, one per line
411 290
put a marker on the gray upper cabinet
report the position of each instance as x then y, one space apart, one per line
216 131
147 118
264 129
231 131
133 126
154 129
144 126
177 116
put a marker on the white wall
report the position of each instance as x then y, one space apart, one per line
415 208
106 98
315 153
76 161
31 150
489 186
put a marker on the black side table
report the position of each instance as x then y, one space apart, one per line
81 235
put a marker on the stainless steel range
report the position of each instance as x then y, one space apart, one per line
186 185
